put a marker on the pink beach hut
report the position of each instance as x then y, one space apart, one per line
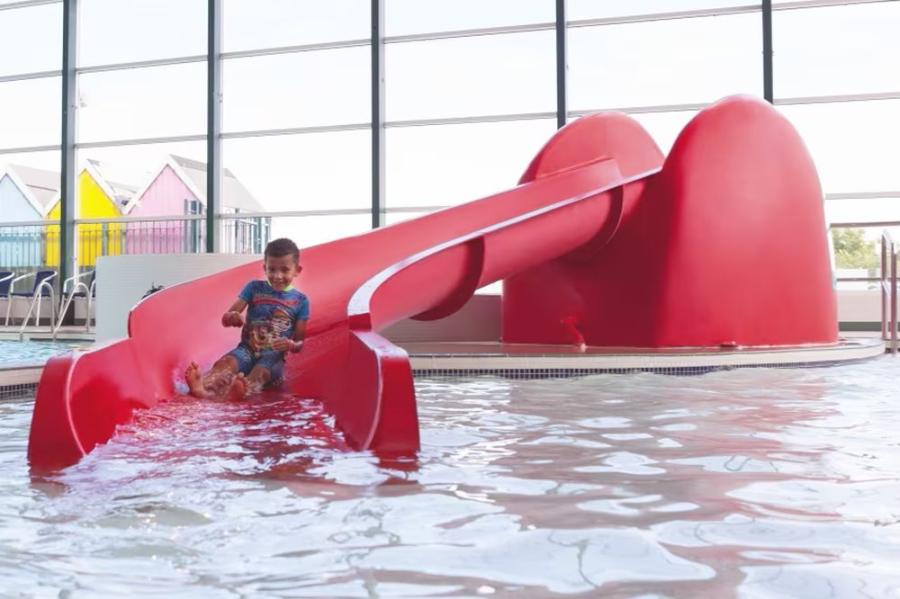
178 189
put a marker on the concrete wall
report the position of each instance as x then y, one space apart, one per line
123 280
479 320
859 306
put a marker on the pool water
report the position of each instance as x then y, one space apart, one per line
750 483
30 352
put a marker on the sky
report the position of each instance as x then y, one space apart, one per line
818 51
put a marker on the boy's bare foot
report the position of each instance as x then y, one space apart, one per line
238 389
195 381
217 383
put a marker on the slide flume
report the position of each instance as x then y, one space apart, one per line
426 268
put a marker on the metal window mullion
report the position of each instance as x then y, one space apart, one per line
562 66
27 4
213 121
768 80
30 76
67 183
141 64
377 83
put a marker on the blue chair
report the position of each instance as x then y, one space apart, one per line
41 289
79 291
6 277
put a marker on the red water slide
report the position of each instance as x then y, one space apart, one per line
594 190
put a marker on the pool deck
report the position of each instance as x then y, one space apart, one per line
551 360
43 333
507 359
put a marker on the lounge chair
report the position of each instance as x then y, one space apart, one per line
41 289
6 277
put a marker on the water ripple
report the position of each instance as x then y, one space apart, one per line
757 483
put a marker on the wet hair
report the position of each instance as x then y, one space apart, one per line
282 247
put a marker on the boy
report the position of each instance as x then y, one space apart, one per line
275 324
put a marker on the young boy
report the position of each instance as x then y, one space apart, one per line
275 324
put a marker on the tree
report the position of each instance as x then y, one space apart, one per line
851 250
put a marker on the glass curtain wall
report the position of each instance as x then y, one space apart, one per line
470 97
296 112
837 78
141 122
30 89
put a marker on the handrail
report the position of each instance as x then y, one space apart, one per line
889 290
359 305
76 285
37 298
9 294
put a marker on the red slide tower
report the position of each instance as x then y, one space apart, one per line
722 243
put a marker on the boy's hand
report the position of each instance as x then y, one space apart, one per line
232 319
284 344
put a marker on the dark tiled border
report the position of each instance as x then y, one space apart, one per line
17 391
540 373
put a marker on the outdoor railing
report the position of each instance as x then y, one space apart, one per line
888 281
28 246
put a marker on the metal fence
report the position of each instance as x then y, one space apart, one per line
26 246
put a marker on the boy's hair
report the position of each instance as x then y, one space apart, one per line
282 247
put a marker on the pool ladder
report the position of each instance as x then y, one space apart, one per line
889 290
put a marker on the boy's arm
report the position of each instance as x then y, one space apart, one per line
233 318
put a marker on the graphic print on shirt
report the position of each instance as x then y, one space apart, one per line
270 314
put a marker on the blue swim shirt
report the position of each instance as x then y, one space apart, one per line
270 314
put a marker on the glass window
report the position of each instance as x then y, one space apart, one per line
253 24
857 254
145 102
492 74
854 144
29 112
39 171
404 17
664 127
836 50
863 210
315 171
592 9
444 165
144 182
308 231
47 160
31 39
665 62
392 218
127 172
25 246
303 89
113 31
134 165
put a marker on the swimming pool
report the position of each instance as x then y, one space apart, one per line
747 482
30 352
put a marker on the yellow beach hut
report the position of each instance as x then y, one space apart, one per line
98 197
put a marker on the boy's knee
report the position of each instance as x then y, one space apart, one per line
229 362
260 373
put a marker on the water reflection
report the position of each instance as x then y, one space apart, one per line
754 482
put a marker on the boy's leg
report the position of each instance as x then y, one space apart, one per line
221 373
267 369
218 378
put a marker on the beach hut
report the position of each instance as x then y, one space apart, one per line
25 196
179 189
98 197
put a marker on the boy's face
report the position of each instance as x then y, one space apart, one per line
280 271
